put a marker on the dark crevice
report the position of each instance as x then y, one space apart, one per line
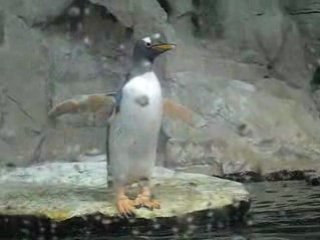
196 3
205 19
305 12
3 106
310 176
195 20
105 14
315 81
37 155
166 6
1 28
129 33
21 108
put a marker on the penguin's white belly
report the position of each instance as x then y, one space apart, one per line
134 130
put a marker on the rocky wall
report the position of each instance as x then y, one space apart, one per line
244 66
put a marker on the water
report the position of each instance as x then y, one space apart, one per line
279 211
284 210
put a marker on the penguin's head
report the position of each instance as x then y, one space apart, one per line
149 48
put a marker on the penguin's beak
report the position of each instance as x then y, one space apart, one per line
163 47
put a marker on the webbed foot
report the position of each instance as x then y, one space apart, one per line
125 206
144 200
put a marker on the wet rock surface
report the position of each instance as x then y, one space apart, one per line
283 175
75 196
313 178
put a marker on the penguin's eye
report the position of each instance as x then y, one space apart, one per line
148 44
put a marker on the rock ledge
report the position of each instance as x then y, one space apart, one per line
68 192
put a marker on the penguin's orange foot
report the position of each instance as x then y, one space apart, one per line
144 200
125 206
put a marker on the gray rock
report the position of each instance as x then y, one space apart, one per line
306 14
144 16
37 70
35 11
263 27
180 17
180 7
22 68
248 128
246 75
62 191
1 27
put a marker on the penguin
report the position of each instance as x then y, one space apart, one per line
133 130
133 115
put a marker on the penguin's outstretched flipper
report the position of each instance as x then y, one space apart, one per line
93 103
107 103
177 111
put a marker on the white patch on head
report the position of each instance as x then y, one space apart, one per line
156 36
147 39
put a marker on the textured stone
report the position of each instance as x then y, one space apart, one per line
180 14
23 110
35 11
249 128
306 13
144 16
1 27
62 191
260 27
57 65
